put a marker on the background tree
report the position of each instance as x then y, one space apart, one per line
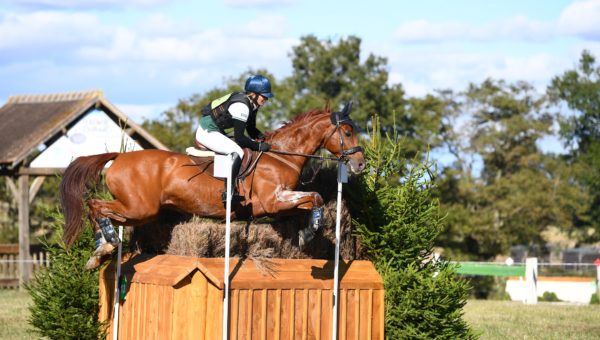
324 70
520 192
580 90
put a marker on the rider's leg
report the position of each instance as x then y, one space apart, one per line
218 142
235 170
221 144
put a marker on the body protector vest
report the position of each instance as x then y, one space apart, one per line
218 109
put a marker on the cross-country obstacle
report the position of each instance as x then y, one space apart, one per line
179 297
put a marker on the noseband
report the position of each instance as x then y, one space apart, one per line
338 119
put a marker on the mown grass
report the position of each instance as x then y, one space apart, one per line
515 320
491 319
14 312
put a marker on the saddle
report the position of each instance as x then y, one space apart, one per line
203 157
199 153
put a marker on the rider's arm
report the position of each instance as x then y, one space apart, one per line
239 113
240 137
251 127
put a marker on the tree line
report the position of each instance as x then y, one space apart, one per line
501 188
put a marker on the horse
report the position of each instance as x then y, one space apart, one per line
142 183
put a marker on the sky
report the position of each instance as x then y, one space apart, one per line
145 55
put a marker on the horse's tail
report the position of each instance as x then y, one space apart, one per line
77 176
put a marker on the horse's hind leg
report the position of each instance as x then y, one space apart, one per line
100 215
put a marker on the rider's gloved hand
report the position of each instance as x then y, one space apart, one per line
264 146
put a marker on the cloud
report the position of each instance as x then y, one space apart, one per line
516 28
87 4
258 3
155 60
581 18
422 68
48 30
138 113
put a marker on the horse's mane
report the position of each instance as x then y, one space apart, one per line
298 121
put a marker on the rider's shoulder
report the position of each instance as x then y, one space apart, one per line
239 110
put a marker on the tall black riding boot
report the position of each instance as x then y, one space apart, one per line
235 169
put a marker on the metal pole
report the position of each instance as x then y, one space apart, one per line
342 174
117 288
227 237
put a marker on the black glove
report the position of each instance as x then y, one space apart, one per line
260 136
264 146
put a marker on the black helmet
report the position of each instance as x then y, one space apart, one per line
259 84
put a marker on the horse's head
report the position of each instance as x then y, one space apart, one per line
342 140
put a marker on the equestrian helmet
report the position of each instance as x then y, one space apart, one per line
259 84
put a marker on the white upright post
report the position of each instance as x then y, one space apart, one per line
227 237
117 284
341 178
531 277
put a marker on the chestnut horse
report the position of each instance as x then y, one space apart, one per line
144 182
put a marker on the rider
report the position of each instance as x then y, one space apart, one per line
235 110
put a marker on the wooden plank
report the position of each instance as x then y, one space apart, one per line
365 315
165 315
243 330
299 315
273 313
352 317
326 313
313 314
343 314
234 313
378 315
287 314
258 314
214 317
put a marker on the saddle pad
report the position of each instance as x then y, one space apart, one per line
192 151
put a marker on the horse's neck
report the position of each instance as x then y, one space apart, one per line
305 139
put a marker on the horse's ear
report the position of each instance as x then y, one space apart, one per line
347 108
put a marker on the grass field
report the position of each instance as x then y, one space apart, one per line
515 320
14 314
490 319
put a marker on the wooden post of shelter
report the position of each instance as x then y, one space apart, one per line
23 203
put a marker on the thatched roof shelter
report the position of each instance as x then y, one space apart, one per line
31 124
32 120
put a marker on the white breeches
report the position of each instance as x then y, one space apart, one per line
218 142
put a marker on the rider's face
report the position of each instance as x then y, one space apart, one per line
261 100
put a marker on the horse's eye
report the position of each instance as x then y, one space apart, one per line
348 133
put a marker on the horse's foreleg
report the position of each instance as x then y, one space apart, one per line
289 200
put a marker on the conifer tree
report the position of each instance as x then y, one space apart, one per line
65 295
398 221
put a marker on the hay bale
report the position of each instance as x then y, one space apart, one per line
278 238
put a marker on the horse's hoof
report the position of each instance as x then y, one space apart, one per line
93 262
305 236
104 249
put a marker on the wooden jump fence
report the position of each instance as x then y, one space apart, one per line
9 263
177 297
